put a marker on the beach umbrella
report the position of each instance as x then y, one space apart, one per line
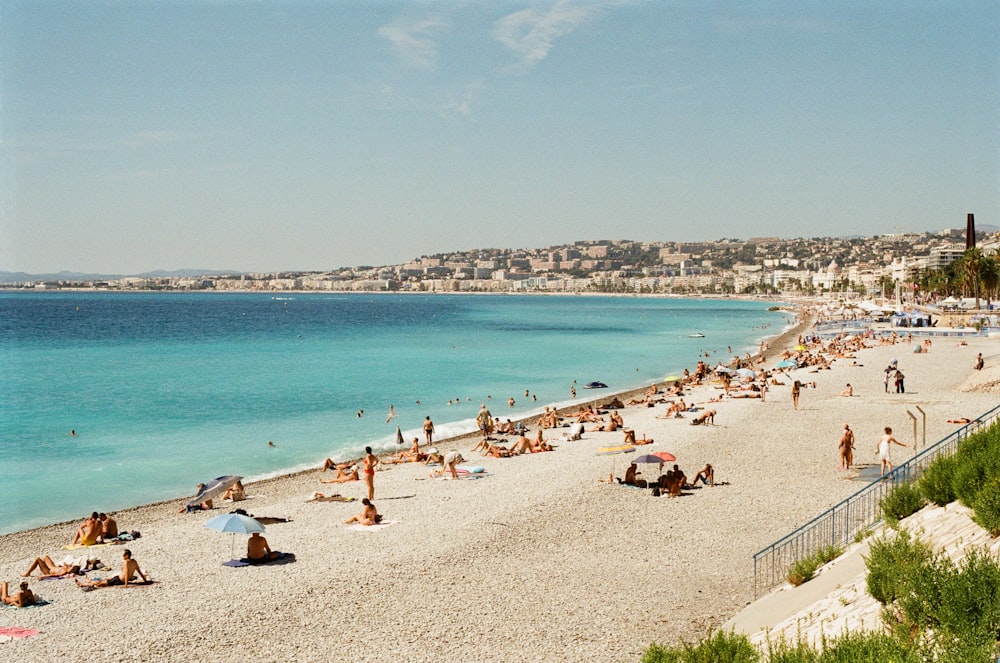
651 459
800 348
234 523
214 488
672 378
399 436
746 373
724 369
665 455
787 363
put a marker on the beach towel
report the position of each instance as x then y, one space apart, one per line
18 631
358 527
38 602
286 558
77 546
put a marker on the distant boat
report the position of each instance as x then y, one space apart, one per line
595 385
696 336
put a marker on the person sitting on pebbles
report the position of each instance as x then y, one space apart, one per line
705 418
22 599
130 568
368 517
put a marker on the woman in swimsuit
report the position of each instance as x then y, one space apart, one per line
369 466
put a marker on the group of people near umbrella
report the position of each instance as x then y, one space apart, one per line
669 483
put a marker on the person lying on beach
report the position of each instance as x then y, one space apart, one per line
328 464
962 420
412 456
433 457
497 451
207 505
614 423
706 417
258 550
130 568
89 531
483 445
588 414
336 497
343 477
50 569
706 475
22 599
368 517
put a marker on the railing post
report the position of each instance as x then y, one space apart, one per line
924 436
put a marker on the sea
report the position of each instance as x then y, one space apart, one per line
110 400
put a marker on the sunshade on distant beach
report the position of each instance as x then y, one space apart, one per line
650 458
214 488
234 522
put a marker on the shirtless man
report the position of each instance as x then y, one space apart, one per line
706 417
49 568
428 430
258 550
370 461
22 599
370 516
130 568
883 448
846 448
88 532
109 528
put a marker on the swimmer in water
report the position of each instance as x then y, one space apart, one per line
271 444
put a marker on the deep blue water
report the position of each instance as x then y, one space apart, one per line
166 390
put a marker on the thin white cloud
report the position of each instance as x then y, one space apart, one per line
415 39
531 33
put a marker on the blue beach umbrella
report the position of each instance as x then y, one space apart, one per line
234 522
787 363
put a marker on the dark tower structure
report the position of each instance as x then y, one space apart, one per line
970 232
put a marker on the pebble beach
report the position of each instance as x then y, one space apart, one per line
542 559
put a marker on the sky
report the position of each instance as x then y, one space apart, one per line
294 135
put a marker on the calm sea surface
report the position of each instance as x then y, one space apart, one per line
167 390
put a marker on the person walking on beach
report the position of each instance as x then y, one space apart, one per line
796 390
370 461
428 430
846 448
883 449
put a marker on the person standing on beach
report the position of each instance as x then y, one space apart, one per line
370 461
428 430
883 449
484 420
888 375
796 390
979 362
846 448
900 387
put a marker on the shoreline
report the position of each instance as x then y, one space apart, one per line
776 343
541 541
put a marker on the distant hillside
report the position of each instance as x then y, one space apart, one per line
21 277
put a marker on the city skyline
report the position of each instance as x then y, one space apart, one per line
311 135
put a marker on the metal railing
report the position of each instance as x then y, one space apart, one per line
840 524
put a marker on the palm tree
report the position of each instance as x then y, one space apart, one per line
972 261
989 276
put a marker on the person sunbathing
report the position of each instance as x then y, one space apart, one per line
523 445
50 569
336 497
678 481
343 477
88 532
631 477
705 475
706 417
433 457
259 551
130 568
22 599
483 445
236 493
368 517
497 451
412 456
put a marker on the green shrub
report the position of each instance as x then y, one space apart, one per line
863 647
827 554
986 507
978 460
718 647
891 561
802 570
936 483
970 599
782 652
970 476
903 501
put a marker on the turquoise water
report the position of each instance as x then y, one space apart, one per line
167 390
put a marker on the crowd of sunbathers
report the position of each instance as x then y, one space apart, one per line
669 483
